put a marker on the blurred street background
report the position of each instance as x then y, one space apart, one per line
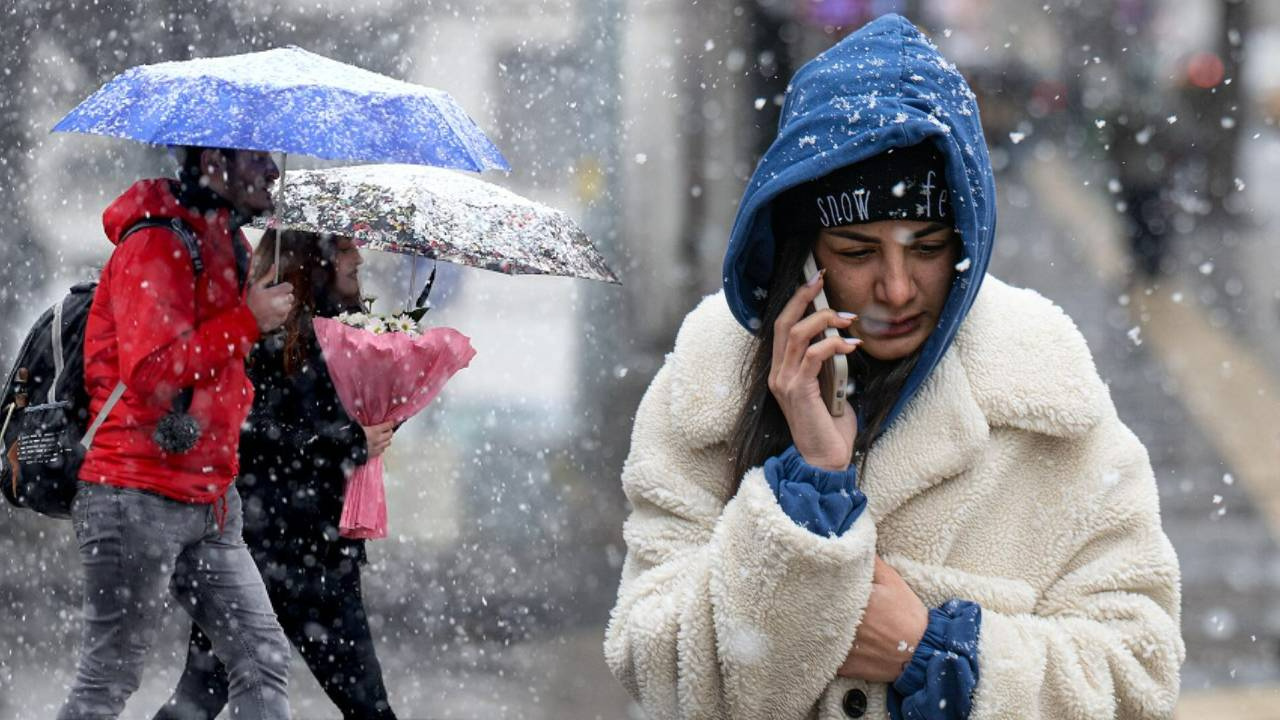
1137 148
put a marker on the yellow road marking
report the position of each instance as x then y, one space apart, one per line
1235 400
1257 702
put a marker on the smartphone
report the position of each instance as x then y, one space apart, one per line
834 376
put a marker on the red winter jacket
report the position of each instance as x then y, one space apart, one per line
158 331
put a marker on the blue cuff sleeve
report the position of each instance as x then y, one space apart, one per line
938 683
824 501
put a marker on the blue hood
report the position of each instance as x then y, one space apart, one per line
885 86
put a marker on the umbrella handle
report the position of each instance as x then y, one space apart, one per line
413 279
279 212
426 289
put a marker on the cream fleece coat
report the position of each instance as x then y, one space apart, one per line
1008 480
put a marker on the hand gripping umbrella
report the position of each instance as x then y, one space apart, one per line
286 100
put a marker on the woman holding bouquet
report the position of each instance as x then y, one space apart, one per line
296 450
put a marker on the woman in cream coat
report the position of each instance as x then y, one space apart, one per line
978 537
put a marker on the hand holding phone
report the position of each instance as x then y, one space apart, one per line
805 339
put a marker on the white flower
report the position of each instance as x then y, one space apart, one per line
382 324
403 324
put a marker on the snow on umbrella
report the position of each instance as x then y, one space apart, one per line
286 100
443 215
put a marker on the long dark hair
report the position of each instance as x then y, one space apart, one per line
760 430
307 263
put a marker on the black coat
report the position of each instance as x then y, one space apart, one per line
296 450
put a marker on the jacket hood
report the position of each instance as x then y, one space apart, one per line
145 199
885 86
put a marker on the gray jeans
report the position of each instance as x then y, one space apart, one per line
134 544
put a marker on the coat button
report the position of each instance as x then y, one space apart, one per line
855 703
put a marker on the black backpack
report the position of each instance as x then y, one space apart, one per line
45 408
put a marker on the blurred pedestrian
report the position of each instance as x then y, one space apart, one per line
1142 157
1143 194
975 534
155 508
1149 148
296 450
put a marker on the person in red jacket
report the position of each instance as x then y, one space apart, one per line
150 515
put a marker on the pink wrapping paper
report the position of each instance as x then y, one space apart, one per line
379 378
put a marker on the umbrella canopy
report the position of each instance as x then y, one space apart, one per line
440 214
286 100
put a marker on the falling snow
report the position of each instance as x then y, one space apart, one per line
1132 172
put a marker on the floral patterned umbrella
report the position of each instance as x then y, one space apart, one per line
441 214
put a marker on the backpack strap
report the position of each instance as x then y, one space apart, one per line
101 417
182 402
188 238
58 361
180 229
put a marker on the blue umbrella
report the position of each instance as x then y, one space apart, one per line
287 100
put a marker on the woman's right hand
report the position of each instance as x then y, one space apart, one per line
822 440
378 437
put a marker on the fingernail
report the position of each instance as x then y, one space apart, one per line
846 315
818 276
853 341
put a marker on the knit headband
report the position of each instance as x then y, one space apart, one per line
900 184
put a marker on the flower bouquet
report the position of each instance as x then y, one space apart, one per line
385 368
